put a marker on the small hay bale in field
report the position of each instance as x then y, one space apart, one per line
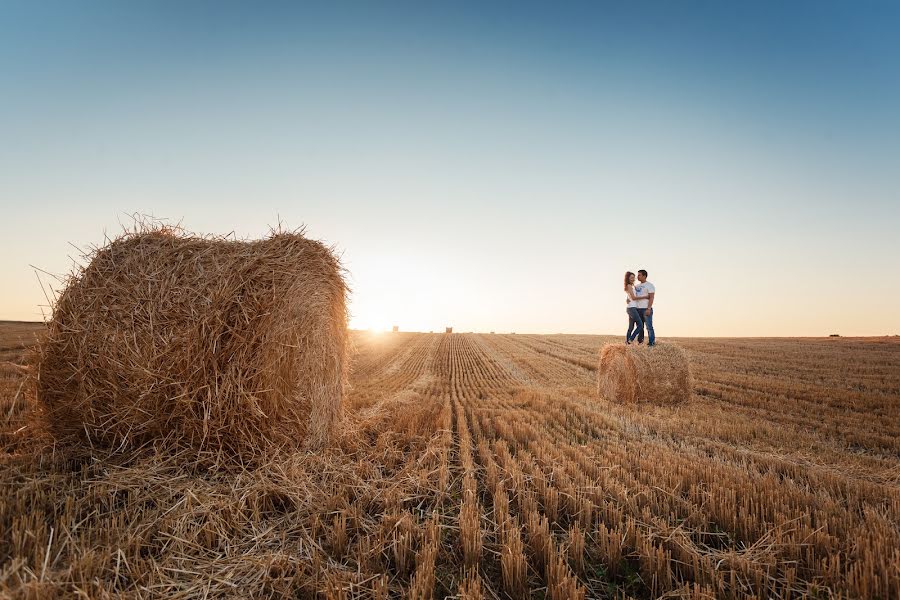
659 374
448 330
213 343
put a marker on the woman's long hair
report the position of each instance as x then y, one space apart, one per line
628 276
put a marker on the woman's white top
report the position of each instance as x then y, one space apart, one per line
631 303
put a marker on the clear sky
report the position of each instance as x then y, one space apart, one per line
491 166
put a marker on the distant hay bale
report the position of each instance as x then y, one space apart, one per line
212 343
659 374
395 328
448 330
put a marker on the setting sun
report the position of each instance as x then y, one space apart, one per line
389 290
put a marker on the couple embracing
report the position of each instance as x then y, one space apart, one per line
639 307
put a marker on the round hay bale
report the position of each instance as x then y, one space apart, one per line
659 374
212 343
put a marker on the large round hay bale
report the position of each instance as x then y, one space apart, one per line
659 374
214 344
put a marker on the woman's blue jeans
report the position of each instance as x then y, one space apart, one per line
635 322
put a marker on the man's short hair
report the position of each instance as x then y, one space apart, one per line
643 272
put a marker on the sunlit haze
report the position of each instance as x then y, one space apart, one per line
486 167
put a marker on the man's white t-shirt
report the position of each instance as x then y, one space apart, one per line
642 290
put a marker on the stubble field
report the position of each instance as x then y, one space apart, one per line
485 466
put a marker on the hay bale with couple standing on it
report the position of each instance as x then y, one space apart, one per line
212 343
659 374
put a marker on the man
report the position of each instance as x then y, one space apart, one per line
645 291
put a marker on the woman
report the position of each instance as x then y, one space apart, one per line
635 321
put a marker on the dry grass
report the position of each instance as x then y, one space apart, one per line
226 347
659 374
487 467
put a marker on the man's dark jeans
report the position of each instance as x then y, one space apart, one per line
635 323
647 320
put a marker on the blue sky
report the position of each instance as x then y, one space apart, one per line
488 167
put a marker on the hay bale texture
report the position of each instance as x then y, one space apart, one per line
660 374
211 343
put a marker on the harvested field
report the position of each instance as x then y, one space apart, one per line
485 466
